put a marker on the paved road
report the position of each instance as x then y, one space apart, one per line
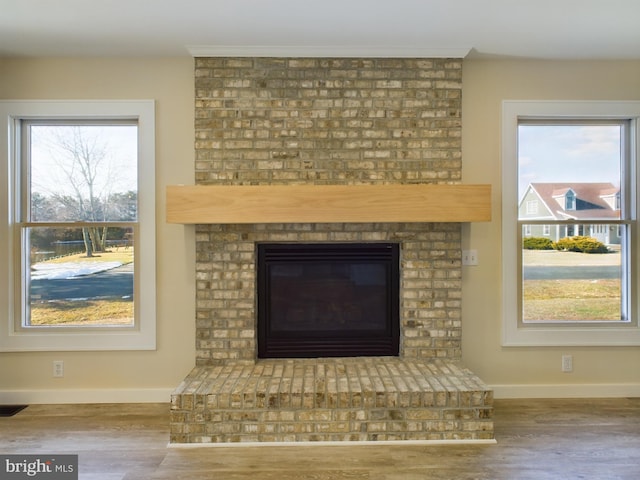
117 282
571 272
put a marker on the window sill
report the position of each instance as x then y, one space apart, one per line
556 336
57 341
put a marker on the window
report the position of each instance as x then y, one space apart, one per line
570 196
79 226
579 160
574 164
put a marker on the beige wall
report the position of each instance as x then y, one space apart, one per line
131 376
125 375
597 370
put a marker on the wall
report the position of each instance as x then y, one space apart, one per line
526 372
120 376
132 376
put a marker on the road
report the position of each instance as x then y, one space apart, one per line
580 272
117 282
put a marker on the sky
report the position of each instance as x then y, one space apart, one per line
51 167
568 153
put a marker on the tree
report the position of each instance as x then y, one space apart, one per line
84 176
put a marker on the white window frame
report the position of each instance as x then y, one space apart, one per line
142 336
581 334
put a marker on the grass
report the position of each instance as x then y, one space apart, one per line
83 312
121 254
94 311
571 300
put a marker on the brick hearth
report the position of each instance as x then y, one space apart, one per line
355 399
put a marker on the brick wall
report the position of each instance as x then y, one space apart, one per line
331 121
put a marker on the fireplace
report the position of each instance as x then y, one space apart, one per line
333 123
343 126
328 300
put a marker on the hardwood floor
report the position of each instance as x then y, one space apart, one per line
537 439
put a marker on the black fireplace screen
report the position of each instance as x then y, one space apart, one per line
328 300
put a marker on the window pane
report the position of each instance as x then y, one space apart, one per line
66 287
570 172
82 173
568 285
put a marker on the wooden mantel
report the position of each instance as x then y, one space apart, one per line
224 204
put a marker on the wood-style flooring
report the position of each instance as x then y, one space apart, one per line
537 439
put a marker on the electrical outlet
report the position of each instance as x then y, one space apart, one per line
470 257
58 368
567 363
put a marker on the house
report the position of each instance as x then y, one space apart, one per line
120 51
571 201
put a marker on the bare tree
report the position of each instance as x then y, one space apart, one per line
84 168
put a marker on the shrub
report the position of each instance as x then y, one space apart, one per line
566 244
591 245
580 244
537 243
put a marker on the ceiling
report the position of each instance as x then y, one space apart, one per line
544 29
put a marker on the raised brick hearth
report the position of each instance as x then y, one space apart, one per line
329 121
354 399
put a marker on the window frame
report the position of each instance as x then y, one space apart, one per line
14 337
514 332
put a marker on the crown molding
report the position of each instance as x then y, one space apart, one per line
331 51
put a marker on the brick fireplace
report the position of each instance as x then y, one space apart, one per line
280 121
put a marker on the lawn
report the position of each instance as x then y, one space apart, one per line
571 299
99 311
123 255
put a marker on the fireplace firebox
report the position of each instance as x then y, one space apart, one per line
328 300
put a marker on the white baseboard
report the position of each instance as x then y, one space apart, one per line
614 390
33 397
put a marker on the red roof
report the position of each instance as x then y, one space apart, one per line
589 199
